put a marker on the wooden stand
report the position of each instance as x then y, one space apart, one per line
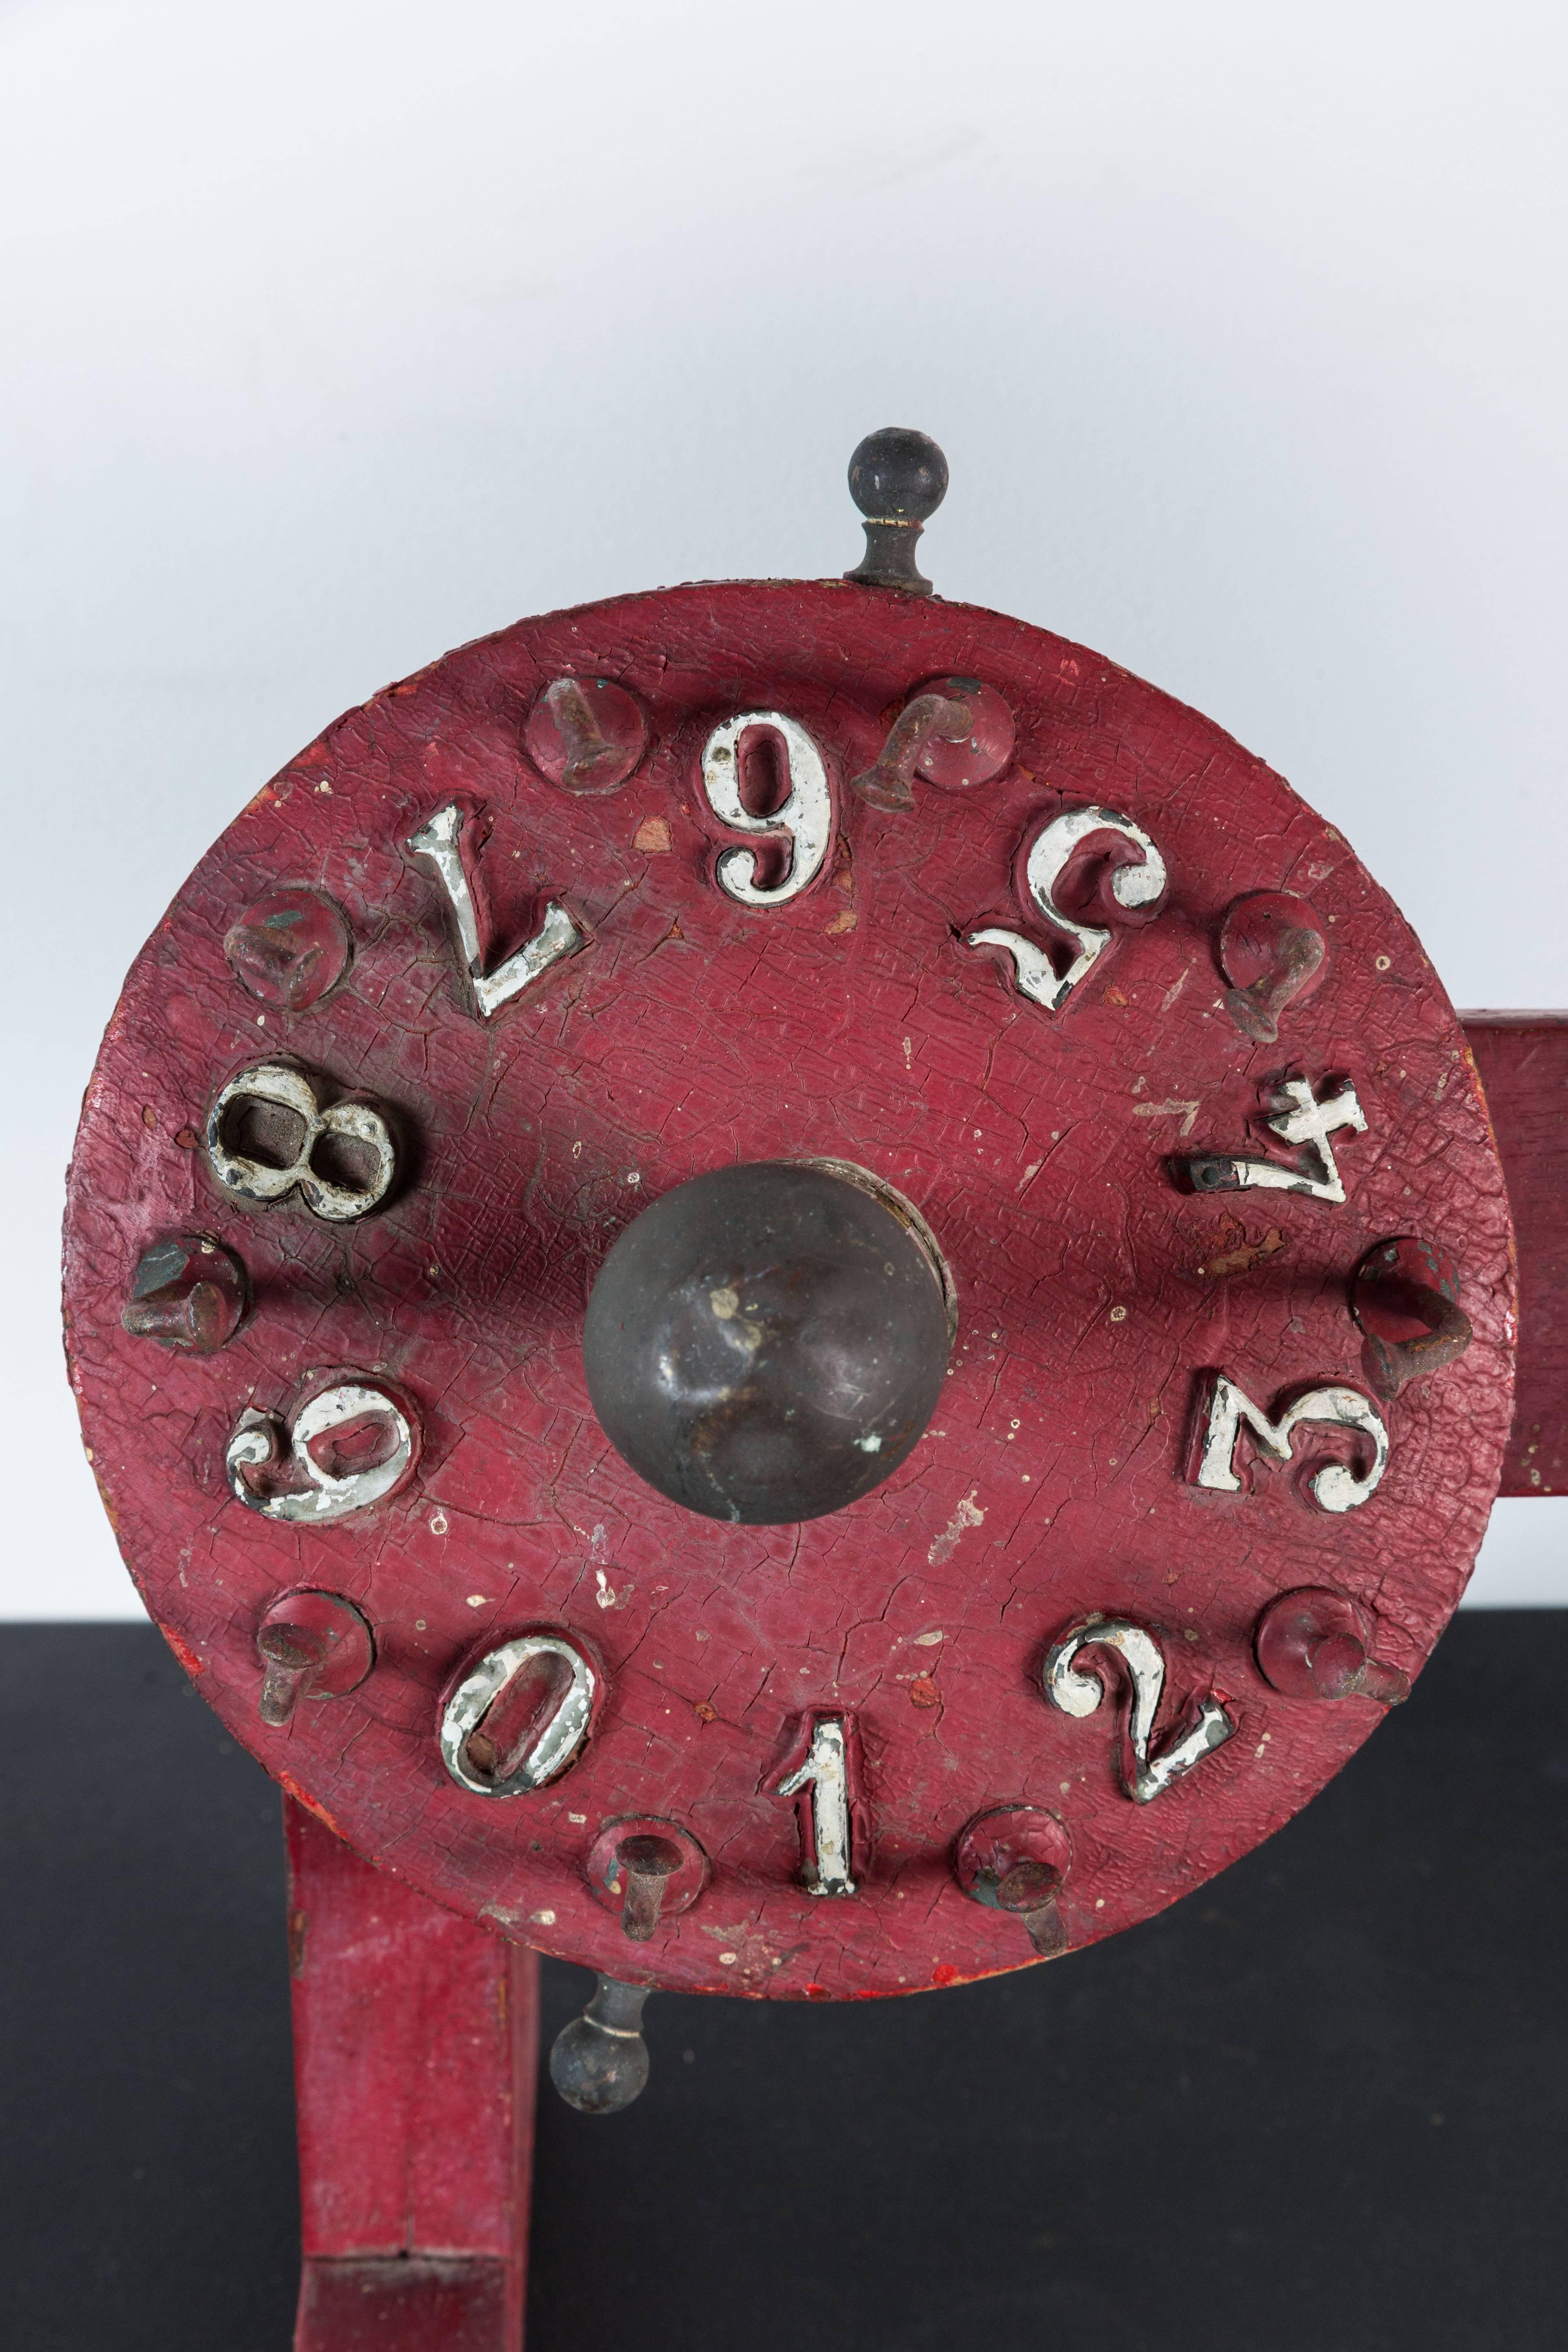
1522 1058
415 2054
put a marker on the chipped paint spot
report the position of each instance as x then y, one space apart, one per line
652 836
1186 1111
290 1787
966 1515
1241 1256
183 1652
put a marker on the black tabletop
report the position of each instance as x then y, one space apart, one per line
1318 2107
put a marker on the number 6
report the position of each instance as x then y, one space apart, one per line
803 822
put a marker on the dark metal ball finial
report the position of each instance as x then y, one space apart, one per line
767 1342
599 2061
898 478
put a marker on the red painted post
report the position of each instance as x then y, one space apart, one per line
416 2047
1522 1058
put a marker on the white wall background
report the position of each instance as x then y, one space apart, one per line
333 334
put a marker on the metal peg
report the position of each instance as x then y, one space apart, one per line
187 1292
1272 949
647 1869
646 1866
1029 1891
313 1645
1015 1859
291 947
1405 1298
586 734
956 732
599 2061
1318 1644
898 478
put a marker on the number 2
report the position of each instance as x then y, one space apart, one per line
1143 1777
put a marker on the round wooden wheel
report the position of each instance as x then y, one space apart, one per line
1078 1001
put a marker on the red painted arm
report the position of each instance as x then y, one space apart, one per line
415 2046
1522 1058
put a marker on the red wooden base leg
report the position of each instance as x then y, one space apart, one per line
415 2051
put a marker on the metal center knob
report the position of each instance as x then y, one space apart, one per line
767 1342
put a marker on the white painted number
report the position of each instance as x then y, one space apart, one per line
435 843
1336 1487
1144 1777
521 1716
344 1450
1301 1121
349 1136
827 1857
803 823
1131 887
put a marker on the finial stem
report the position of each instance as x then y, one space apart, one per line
898 478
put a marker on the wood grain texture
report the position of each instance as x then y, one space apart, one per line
1522 1058
415 2049
853 1024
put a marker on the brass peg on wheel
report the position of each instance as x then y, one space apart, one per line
1404 1296
646 1866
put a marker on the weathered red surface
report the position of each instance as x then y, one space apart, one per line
377 2305
1523 1061
853 1024
416 2043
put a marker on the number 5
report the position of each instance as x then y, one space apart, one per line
1134 889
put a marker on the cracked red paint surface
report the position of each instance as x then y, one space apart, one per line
694 1032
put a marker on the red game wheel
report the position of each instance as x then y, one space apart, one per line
951 950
